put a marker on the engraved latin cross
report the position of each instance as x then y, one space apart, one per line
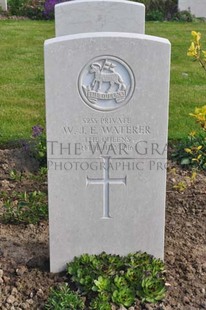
106 181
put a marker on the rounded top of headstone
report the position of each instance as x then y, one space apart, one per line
77 2
82 16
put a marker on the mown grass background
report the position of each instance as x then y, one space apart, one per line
22 101
188 79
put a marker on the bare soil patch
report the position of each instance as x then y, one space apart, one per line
24 256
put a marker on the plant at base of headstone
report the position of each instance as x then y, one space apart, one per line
37 146
101 302
63 298
41 176
192 151
123 296
28 208
15 175
152 289
102 284
111 279
182 183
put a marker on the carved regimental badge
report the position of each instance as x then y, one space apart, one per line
106 83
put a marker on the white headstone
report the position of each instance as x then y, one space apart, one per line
3 5
107 117
83 16
196 7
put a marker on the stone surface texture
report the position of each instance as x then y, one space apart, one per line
99 16
87 216
3 5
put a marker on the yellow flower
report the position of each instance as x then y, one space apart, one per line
193 176
201 110
187 150
196 36
200 115
199 147
192 133
197 159
195 48
192 51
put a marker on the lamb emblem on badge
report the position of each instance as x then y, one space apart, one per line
106 83
106 73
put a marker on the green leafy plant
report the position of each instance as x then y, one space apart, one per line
36 147
155 15
16 6
39 149
101 302
84 271
191 152
102 284
180 186
105 279
182 182
183 16
25 207
160 10
33 9
15 175
124 296
40 176
63 298
152 289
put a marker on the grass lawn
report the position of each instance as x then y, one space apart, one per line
188 80
22 76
